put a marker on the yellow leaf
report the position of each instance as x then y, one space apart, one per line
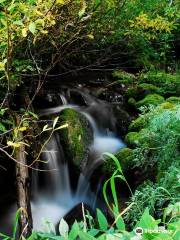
90 36
63 126
2 66
22 129
24 32
60 1
14 144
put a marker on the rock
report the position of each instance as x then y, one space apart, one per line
132 138
77 138
166 105
132 92
168 84
138 123
123 119
143 137
150 99
149 88
76 213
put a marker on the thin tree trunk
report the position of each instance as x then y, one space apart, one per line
23 187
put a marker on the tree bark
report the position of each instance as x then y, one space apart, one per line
23 189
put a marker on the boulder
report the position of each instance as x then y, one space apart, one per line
150 99
77 138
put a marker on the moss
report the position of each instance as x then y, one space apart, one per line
75 136
132 92
138 123
132 102
132 138
169 84
166 105
150 88
125 157
150 99
174 100
123 77
143 137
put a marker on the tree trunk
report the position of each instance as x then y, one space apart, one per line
23 187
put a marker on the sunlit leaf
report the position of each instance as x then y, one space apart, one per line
63 228
32 27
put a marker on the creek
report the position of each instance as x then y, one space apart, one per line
56 195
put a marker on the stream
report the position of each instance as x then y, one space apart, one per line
53 199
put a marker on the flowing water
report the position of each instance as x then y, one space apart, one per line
52 201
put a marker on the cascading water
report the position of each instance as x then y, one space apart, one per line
52 201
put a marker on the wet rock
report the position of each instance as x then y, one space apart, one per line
76 213
77 138
123 119
111 97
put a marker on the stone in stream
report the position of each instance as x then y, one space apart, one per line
77 138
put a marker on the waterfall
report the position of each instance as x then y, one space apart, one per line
55 198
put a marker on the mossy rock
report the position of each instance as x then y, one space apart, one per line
132 138
77 137
143 137
132 92
166 105
150 88
139 123
125 157
124 77
150 99
169 84
174 100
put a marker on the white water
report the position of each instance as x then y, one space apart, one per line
58 198
53 201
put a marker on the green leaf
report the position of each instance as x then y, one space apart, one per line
103 224
74 231
16 220
32 27
120 224
85 236
93 232
147 221
2 128
116 161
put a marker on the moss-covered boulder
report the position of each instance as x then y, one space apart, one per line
138 123
132 92
166 105
174 100
125 157
77 137
149 88
143 137
150 99
132 138
168 83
